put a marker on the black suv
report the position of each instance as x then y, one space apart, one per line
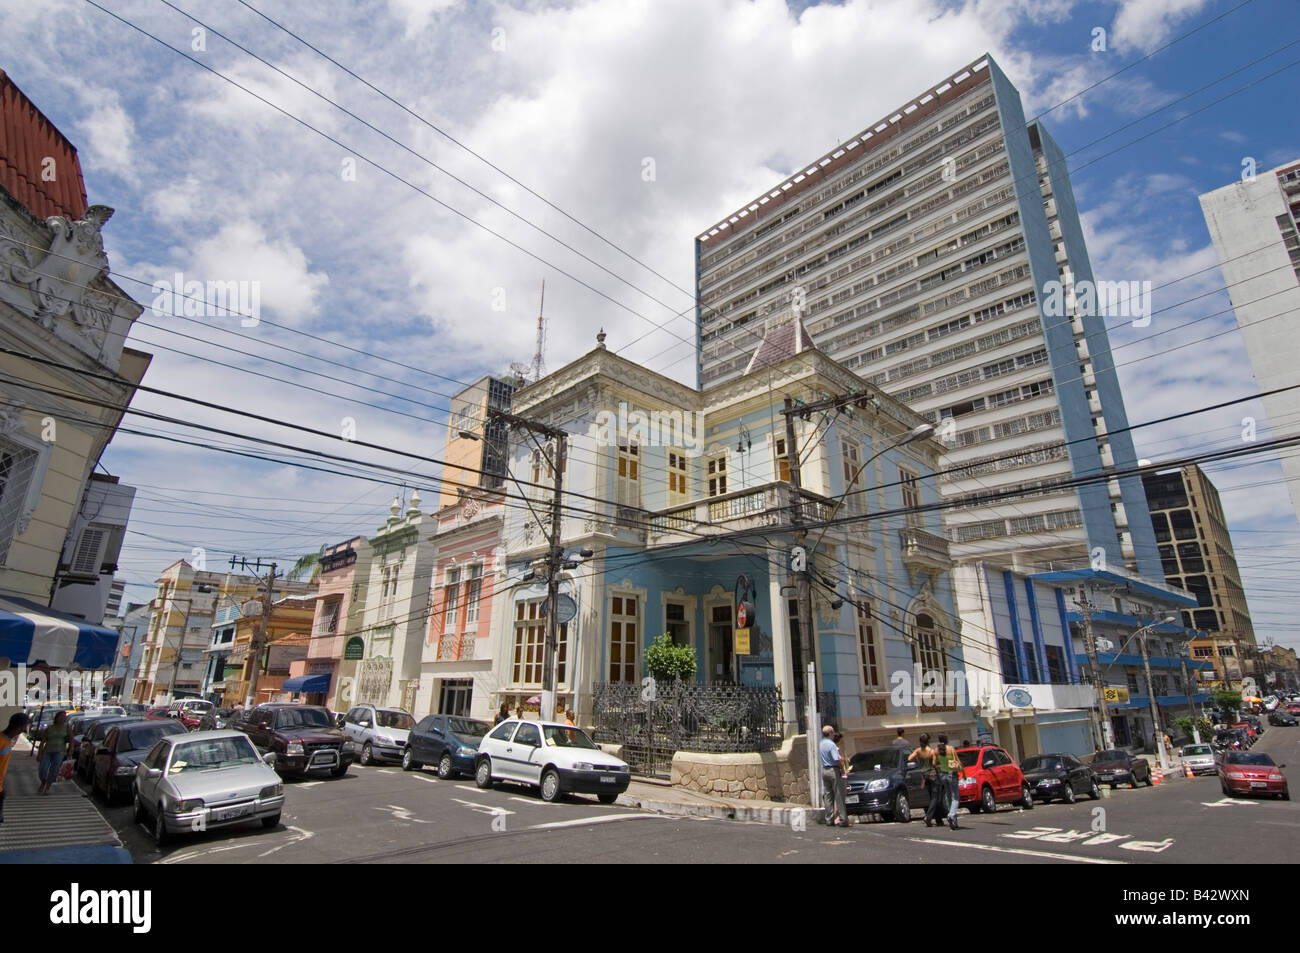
303 738
882 781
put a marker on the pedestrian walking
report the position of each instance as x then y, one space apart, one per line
569 719
900 741
832 765
950 770
924 756
17 722
54 748
503 714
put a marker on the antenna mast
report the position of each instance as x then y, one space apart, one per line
541 335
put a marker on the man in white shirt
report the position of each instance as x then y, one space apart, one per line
832 767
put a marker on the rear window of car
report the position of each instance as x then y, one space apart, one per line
1113 755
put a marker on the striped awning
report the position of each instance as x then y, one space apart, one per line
31 634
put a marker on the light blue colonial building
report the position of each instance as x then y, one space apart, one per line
685 498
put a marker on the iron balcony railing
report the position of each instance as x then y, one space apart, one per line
773 504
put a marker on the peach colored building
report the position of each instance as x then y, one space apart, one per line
328 672
456 674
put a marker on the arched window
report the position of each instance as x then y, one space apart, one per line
927 640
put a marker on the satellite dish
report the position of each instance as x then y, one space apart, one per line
1105 645
252 607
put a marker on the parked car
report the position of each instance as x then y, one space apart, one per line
112 769
1293 708
205 779
1200 758
882 782
188 711
1059 777
156 713
135 709
449 741
380 733
1250 772
218 719
992 778
1283 719
1116 766
302 737
91 739
556 759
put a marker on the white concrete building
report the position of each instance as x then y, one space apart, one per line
1255 226
85 584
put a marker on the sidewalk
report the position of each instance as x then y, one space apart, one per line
40 828
663 798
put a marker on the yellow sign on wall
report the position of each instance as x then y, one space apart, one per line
1116 695
742 642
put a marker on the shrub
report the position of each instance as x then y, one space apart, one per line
668 662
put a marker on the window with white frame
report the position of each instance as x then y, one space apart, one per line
678 474
473 590
388 593
717 474
869 655
677 622
451 600
628 483
851 463
528 651
909 483
17 468
624 625
927 646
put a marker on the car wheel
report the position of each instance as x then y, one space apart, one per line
1133 781
367 756
138 812
341 770
1069 793
445 769
408 762
160 835
902 808
1114 786
1094 792
610 798
988 804
1026 797
270 822
550 787
483 773
1286 796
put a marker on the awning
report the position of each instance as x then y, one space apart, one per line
33 633
307 683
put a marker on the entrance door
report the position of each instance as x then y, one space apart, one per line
721 659
456 696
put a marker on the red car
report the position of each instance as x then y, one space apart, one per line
992 778
1248 772
1293 708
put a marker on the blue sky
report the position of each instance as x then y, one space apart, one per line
725 97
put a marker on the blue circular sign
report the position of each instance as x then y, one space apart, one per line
1019 698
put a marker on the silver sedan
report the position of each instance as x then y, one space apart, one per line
205 779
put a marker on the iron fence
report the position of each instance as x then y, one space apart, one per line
653 723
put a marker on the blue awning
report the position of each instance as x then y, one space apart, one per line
307 683
31 633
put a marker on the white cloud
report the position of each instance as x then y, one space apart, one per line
1146 24
110 134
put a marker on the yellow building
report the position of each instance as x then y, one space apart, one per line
291 623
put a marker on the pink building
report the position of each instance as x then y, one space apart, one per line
456 669
329 672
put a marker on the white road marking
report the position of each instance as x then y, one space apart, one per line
1018 850
191 855
421 777
302 836
307 784
1223 802
385 771
482 808
530 800
601 819
401 813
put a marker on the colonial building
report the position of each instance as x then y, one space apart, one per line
288 633
337 644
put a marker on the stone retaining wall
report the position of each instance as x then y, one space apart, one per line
780 775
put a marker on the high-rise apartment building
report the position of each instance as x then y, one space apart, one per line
1255 226
939 254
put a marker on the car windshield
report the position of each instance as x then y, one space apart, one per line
1243 757
199 708
468 728
969 757
561 737
212 753
1042 764
1111 755
879 759
394 719
303 718
1196 749
146 736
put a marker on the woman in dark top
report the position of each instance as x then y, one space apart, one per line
54 748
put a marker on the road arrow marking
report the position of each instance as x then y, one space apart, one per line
482 808
1017 850
1223 802
401 813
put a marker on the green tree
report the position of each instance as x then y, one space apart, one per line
1229 700
668 662
308 564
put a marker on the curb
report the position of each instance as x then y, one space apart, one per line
782 814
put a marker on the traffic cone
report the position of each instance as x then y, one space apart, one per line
1187 770
1157 775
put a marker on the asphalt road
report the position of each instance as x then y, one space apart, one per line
384 815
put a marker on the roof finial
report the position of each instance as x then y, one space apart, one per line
600 339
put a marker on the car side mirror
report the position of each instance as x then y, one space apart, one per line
153 773
989 763
340 720
269 758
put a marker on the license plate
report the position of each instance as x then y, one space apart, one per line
608 779
231 813
1044 784
851 799
1106 777
323 757
1259 784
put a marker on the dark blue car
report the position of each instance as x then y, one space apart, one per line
449 742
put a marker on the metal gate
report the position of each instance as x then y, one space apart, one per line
373 682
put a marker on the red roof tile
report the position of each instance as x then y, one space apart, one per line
27 140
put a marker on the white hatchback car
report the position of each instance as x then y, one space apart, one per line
557 759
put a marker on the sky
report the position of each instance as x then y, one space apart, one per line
398 241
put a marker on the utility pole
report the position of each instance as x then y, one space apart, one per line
554 561
1151 700
1086 608
803 577
1191 710
259 638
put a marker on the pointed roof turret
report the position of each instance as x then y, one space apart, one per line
784 338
